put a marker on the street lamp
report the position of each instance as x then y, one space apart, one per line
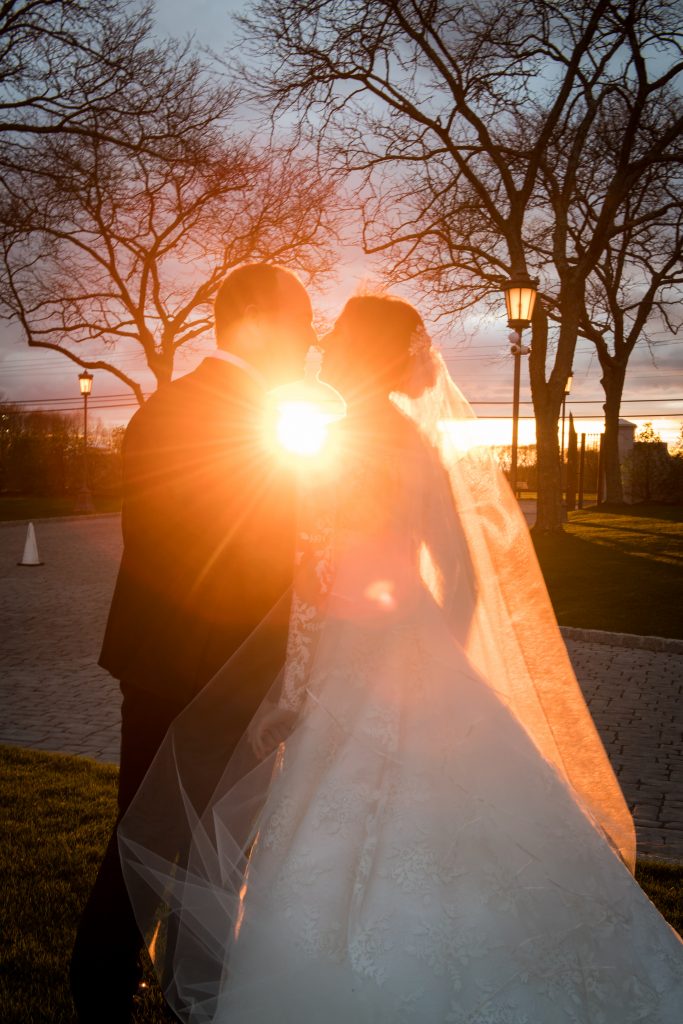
563 473
567 391
520 298
84 502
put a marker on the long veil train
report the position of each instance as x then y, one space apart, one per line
458 706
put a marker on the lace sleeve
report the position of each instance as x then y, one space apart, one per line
312 582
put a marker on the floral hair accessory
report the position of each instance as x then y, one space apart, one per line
419 341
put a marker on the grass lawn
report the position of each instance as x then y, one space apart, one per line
618 570
57 815
33 507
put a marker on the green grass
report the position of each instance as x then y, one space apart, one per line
33 507
57 813
663 883
618 570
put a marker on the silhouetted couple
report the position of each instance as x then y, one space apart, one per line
358 779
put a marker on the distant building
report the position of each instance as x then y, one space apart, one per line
646 467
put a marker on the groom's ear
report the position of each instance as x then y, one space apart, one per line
254 320
243 335
250 334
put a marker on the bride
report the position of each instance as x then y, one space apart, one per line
421 824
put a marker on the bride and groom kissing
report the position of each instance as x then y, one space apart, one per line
358 780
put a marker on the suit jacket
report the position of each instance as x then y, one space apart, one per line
209 529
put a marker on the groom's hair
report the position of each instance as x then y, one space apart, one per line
258 285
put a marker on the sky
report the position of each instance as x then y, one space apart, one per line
478 357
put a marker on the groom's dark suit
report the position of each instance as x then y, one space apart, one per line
209 530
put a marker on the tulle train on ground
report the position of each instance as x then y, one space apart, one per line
414 858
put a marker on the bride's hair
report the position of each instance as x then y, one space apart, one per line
374 345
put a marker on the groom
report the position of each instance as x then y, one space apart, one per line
208 528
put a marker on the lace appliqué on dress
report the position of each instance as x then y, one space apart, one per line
315 566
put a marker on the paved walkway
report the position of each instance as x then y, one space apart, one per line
54 697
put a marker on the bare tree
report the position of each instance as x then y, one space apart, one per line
124 195
635 286
80 68
104 245
473 129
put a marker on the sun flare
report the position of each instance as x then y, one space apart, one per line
301 428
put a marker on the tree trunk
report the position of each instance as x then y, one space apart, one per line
547 398
162 368
549 506
612 380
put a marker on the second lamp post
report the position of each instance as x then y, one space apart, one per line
84 502
565 396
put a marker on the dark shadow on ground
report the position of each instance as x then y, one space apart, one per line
625 584
645 510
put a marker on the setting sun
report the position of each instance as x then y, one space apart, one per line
301 428
304 409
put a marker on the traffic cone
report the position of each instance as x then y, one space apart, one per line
30 549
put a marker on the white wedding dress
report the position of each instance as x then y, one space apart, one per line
427 846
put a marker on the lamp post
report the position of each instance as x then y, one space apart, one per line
520 298
567 391
84 502
563 473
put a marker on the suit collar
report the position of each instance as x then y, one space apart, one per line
221 374
241 364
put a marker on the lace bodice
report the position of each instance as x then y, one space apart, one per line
359 540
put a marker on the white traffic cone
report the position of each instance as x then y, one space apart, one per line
30 549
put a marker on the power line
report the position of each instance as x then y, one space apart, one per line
641 414
69 398
581 401
79 408
475 401
592 419
484 354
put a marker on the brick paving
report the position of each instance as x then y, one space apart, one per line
636 699
53 694
54 697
